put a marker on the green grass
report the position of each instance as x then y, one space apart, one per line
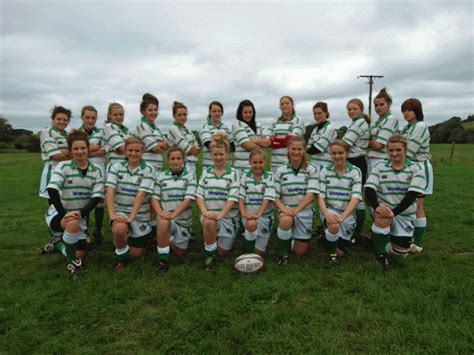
468 125
424 305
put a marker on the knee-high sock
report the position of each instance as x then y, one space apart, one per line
381 238
284 242
419 234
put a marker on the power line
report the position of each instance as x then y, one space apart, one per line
371 82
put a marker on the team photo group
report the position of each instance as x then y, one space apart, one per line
380 165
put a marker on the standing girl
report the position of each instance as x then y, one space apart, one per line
257 194
115 134
128 185
248 135
340 190
282 129
175 189
183 137
296 184
217 193
321 137
418 137
149 133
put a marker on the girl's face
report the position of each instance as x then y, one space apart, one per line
257 163
60 121
181 116
219 156
247 113
338 154
286 107
296 151
134 152
319 115
409 115
396 152
176 161
151 113
215 113
381 106
117 115
353 110
89 119
79 151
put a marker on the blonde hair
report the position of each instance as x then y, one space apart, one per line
359 103
298 139
341 143
133 140
220 140
113 105
398 138
257 151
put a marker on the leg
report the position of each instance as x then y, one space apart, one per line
122 251
250 235
210 245
72 231
380 235
163 240
284 237
420 227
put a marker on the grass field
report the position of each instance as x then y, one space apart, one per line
424 305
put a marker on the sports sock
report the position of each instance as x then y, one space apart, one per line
331 240
360 218
250 239
419 233
283 242
99 218
61 247
163 253
122 253
70 243
210 249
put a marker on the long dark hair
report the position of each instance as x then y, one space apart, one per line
252 124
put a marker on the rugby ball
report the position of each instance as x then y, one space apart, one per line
249 263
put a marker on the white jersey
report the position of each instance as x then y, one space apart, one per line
150 135
127 183
321 138
280 128
357 136
76 188
418 137
380 131
291 185
115 136
205 135
217 190
337 191
184 138
253 193
96 137
241 133
171 190
52 142
392 185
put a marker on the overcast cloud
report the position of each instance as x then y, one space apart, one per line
79 53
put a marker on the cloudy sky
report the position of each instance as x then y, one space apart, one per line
78 53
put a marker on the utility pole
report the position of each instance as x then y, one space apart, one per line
371 82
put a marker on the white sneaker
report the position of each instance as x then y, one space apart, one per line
415 248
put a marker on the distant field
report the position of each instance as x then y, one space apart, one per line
468 125
422 306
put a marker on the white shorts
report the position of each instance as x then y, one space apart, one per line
372 163
402 226
428 171
226 231
346 228
45 177
302 226
137 229
51 213
180 235
264 230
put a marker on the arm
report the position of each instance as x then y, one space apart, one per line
374 145
286 210
407 200
349 209
331 218
243 210
160 147
307 200
181 208
56 201
202 207
137 204
263 208
228 206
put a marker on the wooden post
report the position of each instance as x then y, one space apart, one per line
452 153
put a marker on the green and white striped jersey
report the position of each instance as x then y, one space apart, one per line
217 190
184 138
291 185
150 135
392 185
205 134
115 136
171 190
96 136
357 136
418 137
253 193
337 191
380 131
280 128
76 188
52 141
127 183
241 133
321 139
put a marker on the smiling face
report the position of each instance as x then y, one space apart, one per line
247 113
396 152
60 121
286 107
117 115
181 116
134 152
296 150
151 113
353 110
257 163
215 113
219 156
381 107
338 154
176 161
79 150
319 115
89 119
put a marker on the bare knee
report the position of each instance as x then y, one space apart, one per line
333 228
286 222
251 225
382 222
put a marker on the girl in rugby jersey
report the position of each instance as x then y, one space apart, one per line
296 184
321 137
247 134
75 188
115 134
381 130
418 137
175 189
216 197
54 149
213 125
282 129
391 190
129 184
340 190
149 133
183 137
256 197
357 136
97 156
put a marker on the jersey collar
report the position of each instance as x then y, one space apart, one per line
209 122
144 120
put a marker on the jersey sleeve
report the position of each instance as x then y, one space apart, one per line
266 131
234 188
191 188
205 134
387 130
48 144
278 184
148 181
112 176
299 128
112 137
98 189
373 181
418 181
353 132
356 183
145 132
57 179
329 136
176 137
200 186
269 189
243 187
157 187
313 181
322 184
239 134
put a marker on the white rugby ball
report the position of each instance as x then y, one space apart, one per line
249 263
